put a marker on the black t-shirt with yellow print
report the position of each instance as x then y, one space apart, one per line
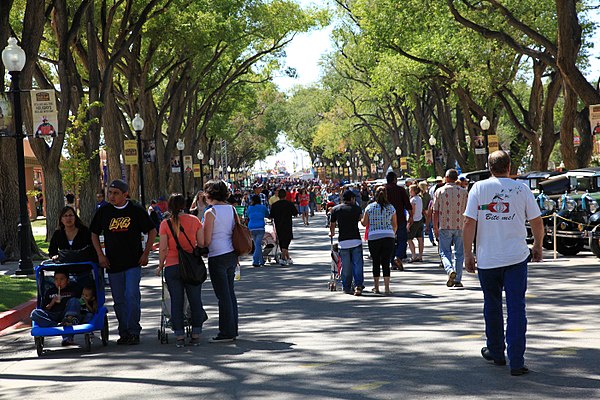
122 230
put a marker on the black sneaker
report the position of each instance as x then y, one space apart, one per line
485 353
134 340
221 339
123 339
458 284
519 371
451 277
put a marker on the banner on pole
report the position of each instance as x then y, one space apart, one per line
187 163
429 157
44 113
403 163
196 168
175 165
130 149
493 144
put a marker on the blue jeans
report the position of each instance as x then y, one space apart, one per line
222 273
401 239
257 237
429 231
177 291
352 267
125 288
47 319
513 279
447 238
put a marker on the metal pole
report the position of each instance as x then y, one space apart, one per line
141 168
201 176
182 173
24 227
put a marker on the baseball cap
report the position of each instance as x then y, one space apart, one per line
256 186
120 184
348 195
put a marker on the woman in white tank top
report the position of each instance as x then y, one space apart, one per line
222 260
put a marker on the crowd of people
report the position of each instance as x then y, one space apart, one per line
394 218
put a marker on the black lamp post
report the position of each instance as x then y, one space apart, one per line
13 58
376 160
200 156
138 125
432 143
229 173
211 162
485 125
180 147
398 154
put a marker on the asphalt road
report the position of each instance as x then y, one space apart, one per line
298 340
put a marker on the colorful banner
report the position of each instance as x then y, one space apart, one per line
403 163
493 144
479 145
131 154
149 151
187 163
196 168
44 113
175 165
595 126
429 157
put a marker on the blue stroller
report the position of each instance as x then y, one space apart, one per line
81 273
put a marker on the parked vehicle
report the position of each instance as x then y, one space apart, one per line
576 195
475 176
533 178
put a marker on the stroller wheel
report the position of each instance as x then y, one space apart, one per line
88 342
39 345
104 332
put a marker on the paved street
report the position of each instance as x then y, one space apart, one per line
298 340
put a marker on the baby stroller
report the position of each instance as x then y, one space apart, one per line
336 267
82 274
270 245
165 316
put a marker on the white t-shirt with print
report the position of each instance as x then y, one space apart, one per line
417 205
501 206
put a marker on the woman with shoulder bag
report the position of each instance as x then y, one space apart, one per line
188 229
219 221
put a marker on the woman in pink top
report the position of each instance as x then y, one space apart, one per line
190 226
303 199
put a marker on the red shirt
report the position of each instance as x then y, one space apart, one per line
304 198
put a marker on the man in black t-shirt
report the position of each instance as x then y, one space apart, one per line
347 215
122 224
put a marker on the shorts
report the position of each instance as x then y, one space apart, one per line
416 230
302 209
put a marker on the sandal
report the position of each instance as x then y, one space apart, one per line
180 343
376 291
388 292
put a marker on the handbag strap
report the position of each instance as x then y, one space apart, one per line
236 219
175 237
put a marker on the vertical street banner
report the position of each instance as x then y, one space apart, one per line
6 116
187 163
479 145
131 154
429 157
149 151
403 163
175 165
493 144
595 126
44 113
196 168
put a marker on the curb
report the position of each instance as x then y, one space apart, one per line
18 314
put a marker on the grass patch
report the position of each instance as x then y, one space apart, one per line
39 223
41 242
15 291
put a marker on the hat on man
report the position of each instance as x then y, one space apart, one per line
439 178
120 184
256 186
348 195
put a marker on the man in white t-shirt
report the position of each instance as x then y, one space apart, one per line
497 209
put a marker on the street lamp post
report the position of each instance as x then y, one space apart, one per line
211 162
398 154
376 160
13 58
200 156
220 172
348 167
180 147
432 143
138 125
485 125
229 173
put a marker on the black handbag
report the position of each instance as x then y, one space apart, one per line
191 266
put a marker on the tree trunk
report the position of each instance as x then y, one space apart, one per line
567 148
